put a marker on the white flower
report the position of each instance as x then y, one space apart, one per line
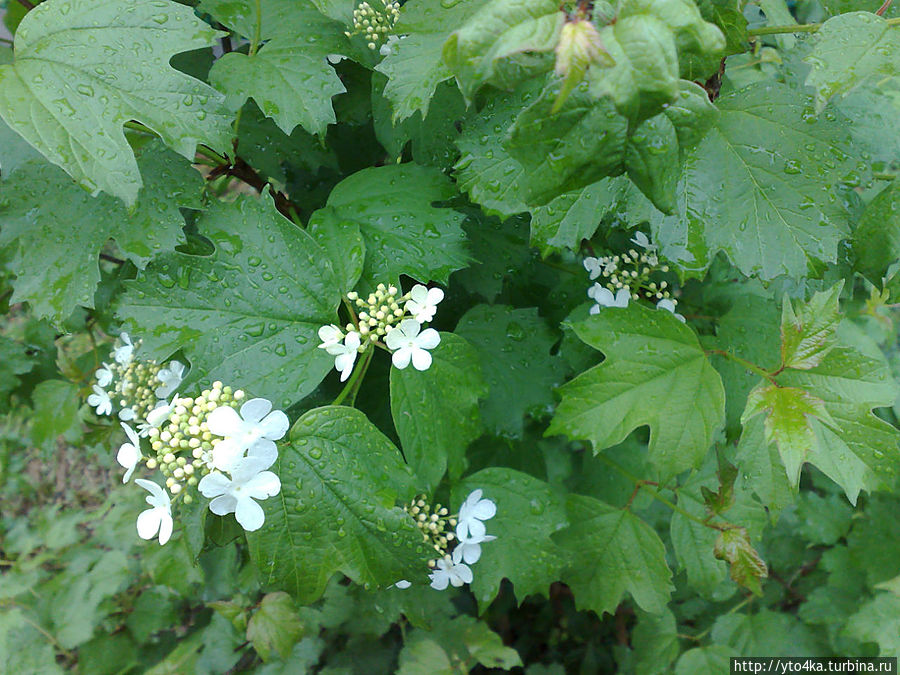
158 518
423 302
255 430
669 306
389 47
345 354
100 400
170 376
157 416
593 267
249 481
641 239
330 336
407 343
129 453
124 353
469 525
469 550
605 298
104 375
127 414
448 572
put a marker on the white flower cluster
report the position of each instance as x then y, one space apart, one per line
374 24
199 445
630 277
385 315
134 386
452 567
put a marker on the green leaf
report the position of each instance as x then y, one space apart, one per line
807 333
340 481
747 568
55 410
499 30
499 247
727 15
402 230
576 215
860 450
23 648
712 659
763 464
289 77
455 646
655 643
13 361
486 171
436 411
850 50
83 69
14 151
154 610
275 626
58 239
653 156
415 65
878 621
823 520
761 185
513 347
529 511
625 554
581 143
655 373
788 422
876 242
249 313
302 659
767 633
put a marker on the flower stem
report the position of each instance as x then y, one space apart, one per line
646 485
749 365
254 44
799 28
355 378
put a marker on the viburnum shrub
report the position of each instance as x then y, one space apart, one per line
433 336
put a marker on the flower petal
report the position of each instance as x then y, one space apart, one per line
249 514
439 580
263 485
421 359
165 528
148 523
429 339
214 484
226 453
224 421
274 425
484 509
158 496
409 327
418 293
255 409
223 505
265 451
132 436
394 339
401 357
435 295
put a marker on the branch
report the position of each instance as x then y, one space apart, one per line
27 4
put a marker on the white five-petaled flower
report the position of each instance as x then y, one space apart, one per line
170 376
330 336
159 517
100 400
158 415
125 351
249 481
448 572
593 266
669 306
408 344
255 430
422 303
345 354
469 525
129 453
104 375
604 297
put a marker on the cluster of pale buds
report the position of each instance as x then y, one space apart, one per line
628 277
386 315
374 25
133 386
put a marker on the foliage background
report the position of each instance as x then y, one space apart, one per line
771 186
